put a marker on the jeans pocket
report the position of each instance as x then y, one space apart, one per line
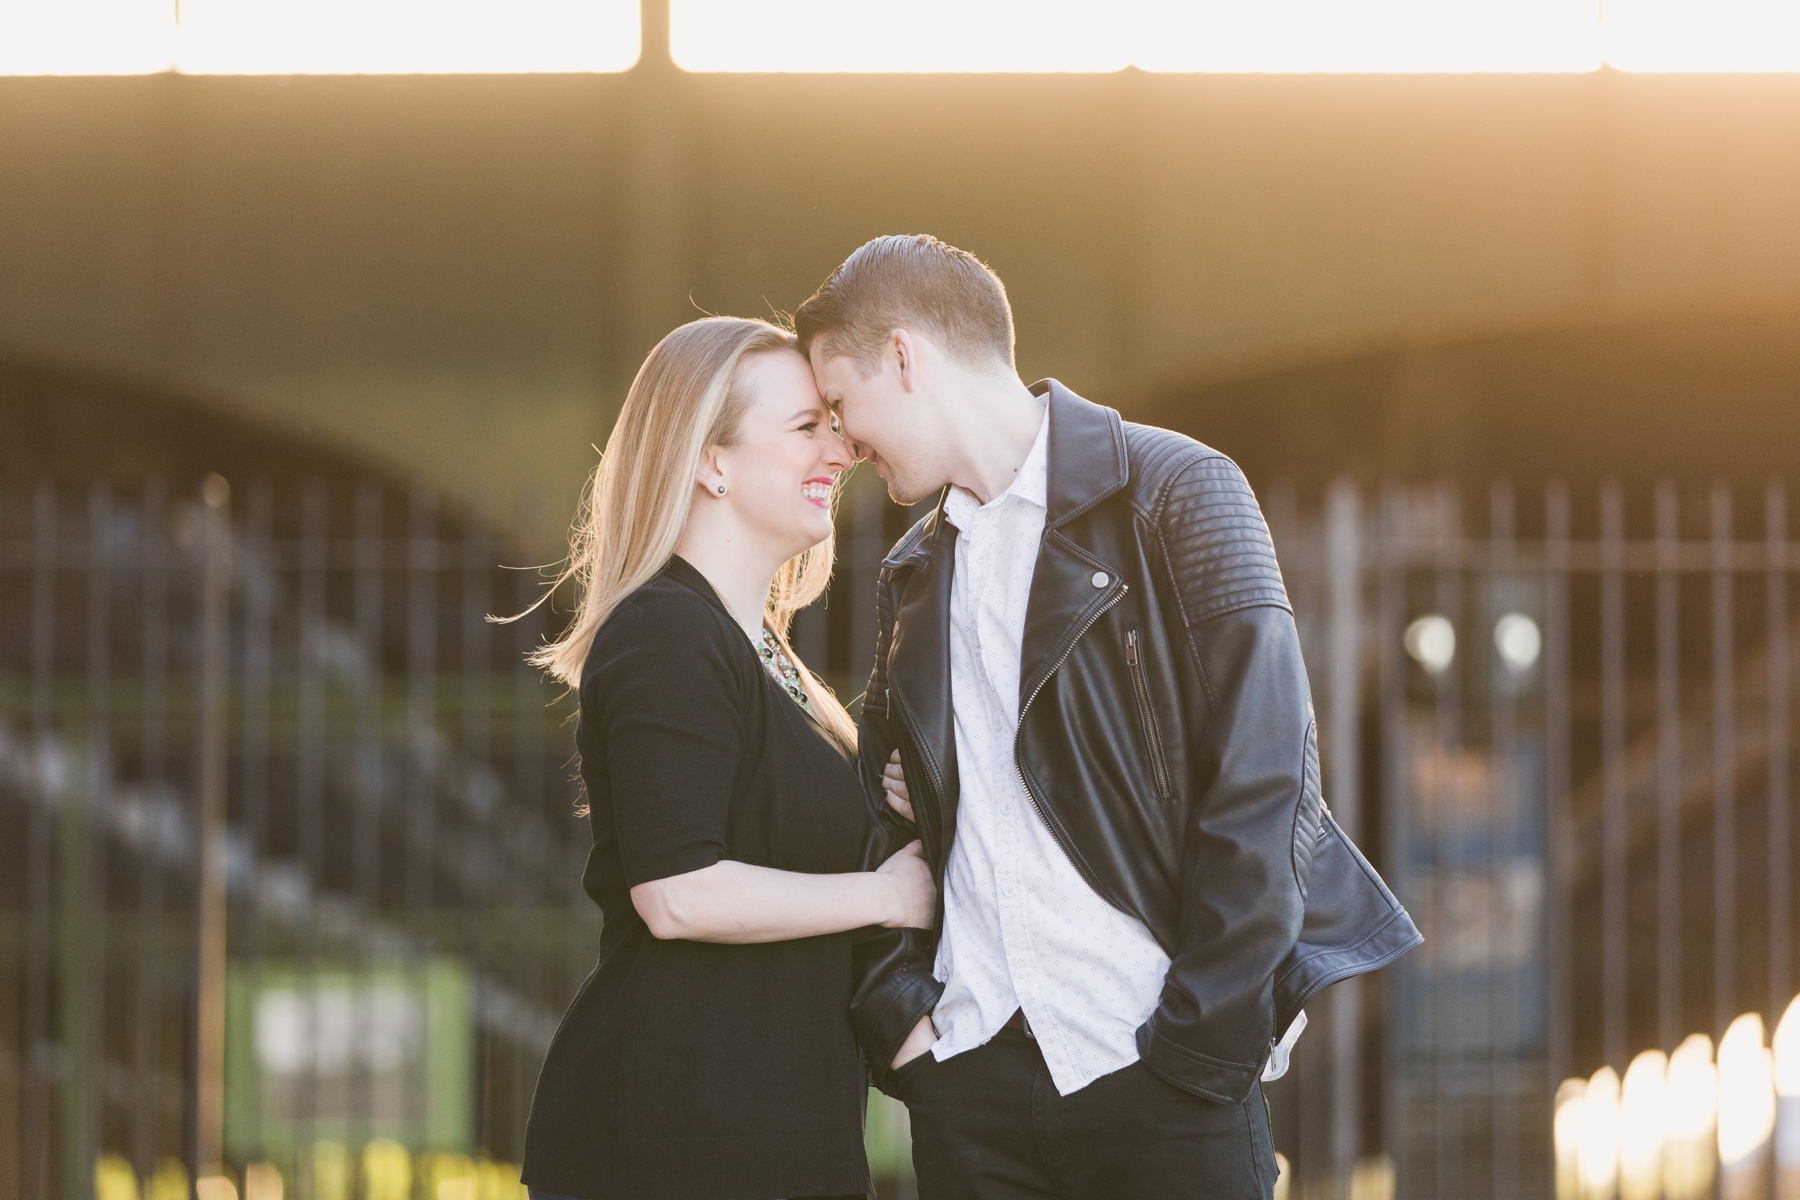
903 1076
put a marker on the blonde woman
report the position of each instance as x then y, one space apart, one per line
710 1053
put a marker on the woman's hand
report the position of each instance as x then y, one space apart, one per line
915 892
893 782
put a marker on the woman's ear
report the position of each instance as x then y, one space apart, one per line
711 475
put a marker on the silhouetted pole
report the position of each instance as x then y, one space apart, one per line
1343 531
209 1015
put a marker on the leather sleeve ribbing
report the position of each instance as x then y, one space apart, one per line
1217 544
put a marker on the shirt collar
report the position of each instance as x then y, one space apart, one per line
1031 484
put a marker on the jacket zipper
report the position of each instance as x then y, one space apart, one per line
1146 715
1062 839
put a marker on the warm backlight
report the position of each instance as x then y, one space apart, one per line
900 35
326 37
1370 36
1702 35
316 37
86 37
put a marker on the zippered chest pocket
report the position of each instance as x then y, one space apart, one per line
1140 689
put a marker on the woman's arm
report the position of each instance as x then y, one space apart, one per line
738 903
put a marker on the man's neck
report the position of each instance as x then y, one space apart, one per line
1000 419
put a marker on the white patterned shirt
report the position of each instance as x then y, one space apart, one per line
1022 929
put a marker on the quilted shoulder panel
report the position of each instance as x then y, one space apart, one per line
1218 545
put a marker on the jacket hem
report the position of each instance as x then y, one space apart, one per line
1215 1079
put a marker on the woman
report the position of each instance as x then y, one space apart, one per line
710 1055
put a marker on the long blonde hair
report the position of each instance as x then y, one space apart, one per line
686 397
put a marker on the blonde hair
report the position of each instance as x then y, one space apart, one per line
686 397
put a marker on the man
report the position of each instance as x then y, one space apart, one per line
1089 671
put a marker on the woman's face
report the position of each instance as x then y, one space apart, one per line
779 473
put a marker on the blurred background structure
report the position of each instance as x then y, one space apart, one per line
305 346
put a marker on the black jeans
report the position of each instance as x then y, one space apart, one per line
989 1125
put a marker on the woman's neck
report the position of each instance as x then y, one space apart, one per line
738 574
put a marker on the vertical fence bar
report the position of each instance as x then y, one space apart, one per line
1557 830
1613 829
82 956
1780 884
34 1091
366 791
309 775
209 1016
1395 827
1724 768
421 708
146 1108
259 604
528 777
478 897
1669 1021
1503 815
1343 747
1451 1109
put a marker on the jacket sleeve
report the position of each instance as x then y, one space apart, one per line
1250 834
891 981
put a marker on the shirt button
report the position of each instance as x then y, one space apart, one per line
1101 579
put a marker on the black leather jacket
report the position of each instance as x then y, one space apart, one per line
1166 737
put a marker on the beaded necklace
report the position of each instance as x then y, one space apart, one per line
774 661
781 669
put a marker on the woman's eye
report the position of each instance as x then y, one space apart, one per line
809 427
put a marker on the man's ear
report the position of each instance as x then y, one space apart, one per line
710 475
906 358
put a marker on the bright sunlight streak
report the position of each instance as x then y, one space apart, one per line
316 37
328 37
1703 35
1371 36
85 37
899 35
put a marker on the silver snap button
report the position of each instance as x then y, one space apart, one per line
1101 579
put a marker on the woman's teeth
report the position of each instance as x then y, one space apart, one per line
816 491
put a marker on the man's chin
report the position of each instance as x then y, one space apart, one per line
907 496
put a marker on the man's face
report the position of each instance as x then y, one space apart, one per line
884 422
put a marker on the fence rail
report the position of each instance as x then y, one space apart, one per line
1561 723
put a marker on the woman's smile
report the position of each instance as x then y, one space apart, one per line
817 490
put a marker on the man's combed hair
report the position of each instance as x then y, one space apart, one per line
907 281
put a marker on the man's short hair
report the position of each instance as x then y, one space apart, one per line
909 281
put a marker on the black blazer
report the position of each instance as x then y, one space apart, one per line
687 1070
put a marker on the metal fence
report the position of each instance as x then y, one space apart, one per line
289 862
1562 727
297 714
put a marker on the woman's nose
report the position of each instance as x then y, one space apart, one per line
836 453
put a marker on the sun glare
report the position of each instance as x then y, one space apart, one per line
898 35
1702 35
357 37
316 37
340 37
85 37
1370 36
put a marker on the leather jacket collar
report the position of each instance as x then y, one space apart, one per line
1079 478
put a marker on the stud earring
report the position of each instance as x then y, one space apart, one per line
721 489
